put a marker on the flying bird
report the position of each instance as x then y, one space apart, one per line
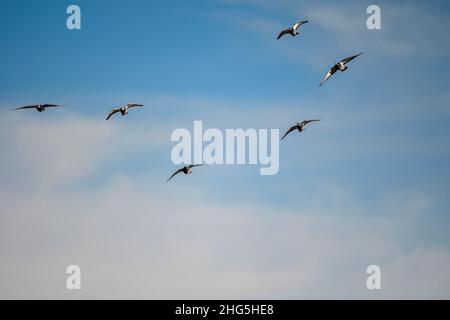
39 107
292 30
341 65
123 110
185 170
299 126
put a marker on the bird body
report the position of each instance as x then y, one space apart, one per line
341 66
123 110
187 170
292 30
300 126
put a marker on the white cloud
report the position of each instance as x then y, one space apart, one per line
135 242
421 274
408 30
139 237
66 149
142 238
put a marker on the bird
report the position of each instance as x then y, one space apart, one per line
123 110
299 126
185 170
39 107
292 30
341 65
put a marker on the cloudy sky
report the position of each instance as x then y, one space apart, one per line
368 185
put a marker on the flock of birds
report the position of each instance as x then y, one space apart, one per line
293 31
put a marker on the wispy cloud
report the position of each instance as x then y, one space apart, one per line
142 245
66 148
407 30
133 241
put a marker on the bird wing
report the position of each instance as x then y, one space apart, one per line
194 165
51 105
347 60
309 121
113 111
329 74
174 174
132 105
282 33
27 107
298 24
289 131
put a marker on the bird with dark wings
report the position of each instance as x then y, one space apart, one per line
341 65
123 110
299 126
292 30
39 107
185 170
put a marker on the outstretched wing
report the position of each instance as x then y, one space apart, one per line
309 121
282 33
289 131
347 60
51 105
132 105
27 107
298 24
329 74
113 111
194 165
174 174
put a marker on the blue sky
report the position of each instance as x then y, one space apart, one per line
370 182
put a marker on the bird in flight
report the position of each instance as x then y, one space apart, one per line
341 65
299 126
123 110
185 170
292 30
39 107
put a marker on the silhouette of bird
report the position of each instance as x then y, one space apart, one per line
185 170
341 65
39 107
299 126
123 110
292 30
